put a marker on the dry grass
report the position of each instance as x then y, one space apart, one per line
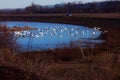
93 15
110 20
75 63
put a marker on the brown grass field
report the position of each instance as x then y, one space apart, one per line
87 15
110 20
75 63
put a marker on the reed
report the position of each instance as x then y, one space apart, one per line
73 63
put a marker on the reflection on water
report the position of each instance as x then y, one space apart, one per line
52 35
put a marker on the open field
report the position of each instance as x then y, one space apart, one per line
87 15
75 63
110 20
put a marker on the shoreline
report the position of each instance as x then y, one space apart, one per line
18 28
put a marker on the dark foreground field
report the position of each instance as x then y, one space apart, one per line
75 63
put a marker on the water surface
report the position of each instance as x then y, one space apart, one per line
53 35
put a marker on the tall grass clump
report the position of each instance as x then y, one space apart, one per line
8 44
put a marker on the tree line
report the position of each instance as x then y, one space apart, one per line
109 6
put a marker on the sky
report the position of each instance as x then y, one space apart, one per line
23 3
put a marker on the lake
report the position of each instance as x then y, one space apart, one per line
53 35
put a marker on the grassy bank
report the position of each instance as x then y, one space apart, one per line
75 63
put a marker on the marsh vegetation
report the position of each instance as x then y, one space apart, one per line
74 63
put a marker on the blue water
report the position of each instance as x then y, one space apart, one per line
53 35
